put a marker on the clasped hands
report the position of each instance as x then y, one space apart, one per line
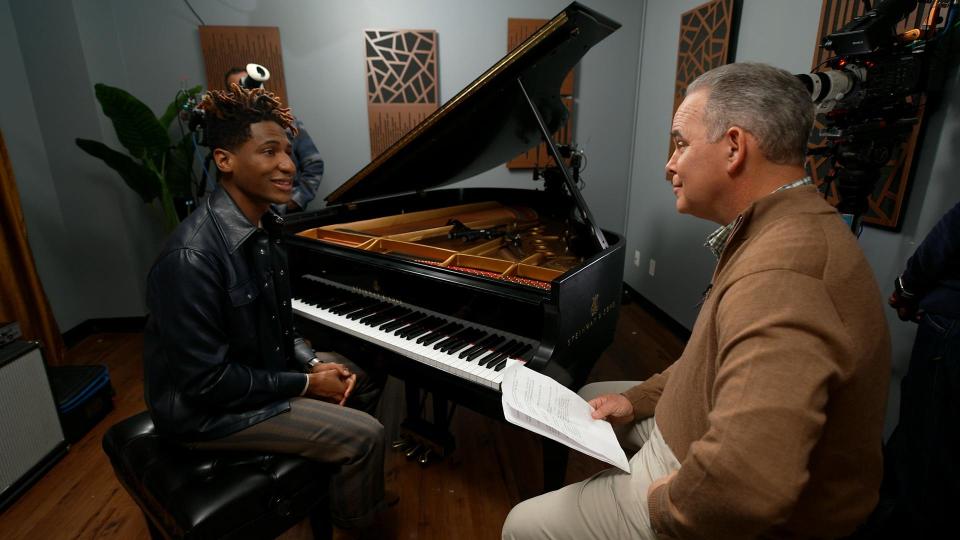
331 381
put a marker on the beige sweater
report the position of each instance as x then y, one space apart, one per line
775 408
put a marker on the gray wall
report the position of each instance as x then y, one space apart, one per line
94 241
780 32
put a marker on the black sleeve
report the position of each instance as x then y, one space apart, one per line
937 257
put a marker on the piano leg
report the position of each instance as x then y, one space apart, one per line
554 464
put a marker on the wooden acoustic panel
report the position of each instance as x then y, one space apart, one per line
403 86
706 42
225 47
885 205
539 157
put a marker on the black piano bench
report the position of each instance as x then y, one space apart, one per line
206 495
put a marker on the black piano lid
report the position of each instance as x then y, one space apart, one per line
489 121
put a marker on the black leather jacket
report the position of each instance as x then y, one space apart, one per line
208 371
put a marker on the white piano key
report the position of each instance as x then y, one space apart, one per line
448 362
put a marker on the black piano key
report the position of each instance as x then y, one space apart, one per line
375 311
386 315
489 341
481 353
505 353
464 341
345 307
519 354
325 298
500 365
438 334
497 353
451 338
359 308
420 328
433 328
409 318
376 307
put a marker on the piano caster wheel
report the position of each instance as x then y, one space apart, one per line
425 457
412 452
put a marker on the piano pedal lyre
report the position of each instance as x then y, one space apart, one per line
426 443
413 451
402 444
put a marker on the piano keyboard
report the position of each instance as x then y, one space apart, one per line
466 350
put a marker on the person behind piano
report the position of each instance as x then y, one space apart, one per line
223 366
769 424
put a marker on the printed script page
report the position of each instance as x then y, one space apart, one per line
540 404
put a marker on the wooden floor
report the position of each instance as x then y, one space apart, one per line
495 466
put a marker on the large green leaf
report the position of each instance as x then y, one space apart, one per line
138 177
137 127
174 108
179 167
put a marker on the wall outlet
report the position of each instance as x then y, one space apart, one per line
636 258
652 268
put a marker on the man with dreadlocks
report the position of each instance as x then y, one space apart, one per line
223 366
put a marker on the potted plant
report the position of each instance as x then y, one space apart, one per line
157 168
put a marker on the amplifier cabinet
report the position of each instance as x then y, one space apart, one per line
31 439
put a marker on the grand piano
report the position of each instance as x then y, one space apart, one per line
454 286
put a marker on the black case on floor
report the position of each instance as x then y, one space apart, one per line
84 396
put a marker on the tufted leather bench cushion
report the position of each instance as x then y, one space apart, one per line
205 494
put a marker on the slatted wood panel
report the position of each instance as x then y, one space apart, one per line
705 43
225 47
495 466
538 157
886 203
403 84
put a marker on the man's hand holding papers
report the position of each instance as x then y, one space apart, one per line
540 404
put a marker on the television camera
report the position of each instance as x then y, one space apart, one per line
870 98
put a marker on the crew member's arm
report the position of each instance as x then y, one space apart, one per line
309 170
937 255
775 366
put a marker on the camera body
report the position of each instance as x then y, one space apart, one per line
868 101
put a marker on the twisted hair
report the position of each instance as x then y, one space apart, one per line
227 115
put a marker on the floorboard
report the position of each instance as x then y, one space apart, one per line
467 496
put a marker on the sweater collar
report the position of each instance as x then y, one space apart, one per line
717 240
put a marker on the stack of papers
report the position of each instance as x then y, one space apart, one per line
540 404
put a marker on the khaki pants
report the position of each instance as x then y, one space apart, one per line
611 504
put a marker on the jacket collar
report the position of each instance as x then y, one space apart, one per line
230 221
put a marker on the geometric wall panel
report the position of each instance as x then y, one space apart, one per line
225 47
402 83
538 157
706 42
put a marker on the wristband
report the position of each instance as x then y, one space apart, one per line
901 290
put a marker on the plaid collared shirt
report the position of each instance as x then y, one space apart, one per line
717 240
